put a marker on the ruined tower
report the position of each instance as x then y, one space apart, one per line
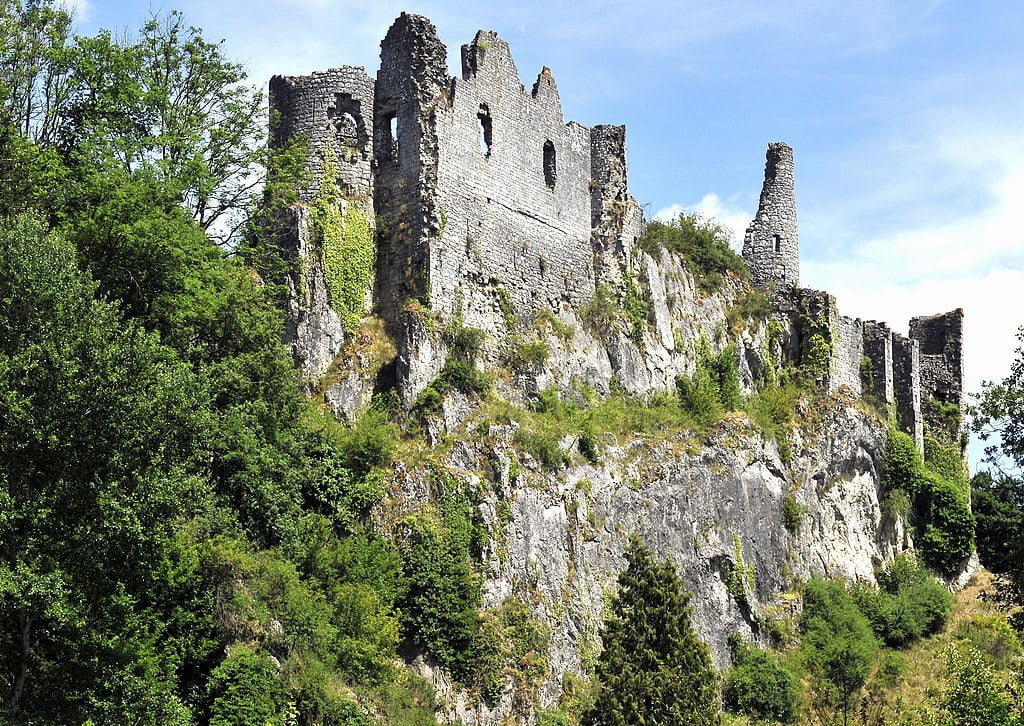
331 113
771 246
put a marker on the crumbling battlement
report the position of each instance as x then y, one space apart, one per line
490 206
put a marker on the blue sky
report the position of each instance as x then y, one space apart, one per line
906 118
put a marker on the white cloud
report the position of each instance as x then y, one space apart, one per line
81 10
711 206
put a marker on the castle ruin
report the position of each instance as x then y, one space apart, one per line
488 208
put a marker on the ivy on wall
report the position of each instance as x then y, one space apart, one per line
346 242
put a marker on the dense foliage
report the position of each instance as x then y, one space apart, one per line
183 537
714 388
653 669
939 493
186 538
998 495
759 686
839 645
909 602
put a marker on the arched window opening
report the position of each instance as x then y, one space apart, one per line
777 242
484 117
550 169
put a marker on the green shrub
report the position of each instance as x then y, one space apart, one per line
714 388
703 244
792 513
370 442
753 306
245 688
637 308
459 373
589 444
772 409
544 447
838 643
602 312
529 353
993 637
759 686
946 535
975 695
944 524
902 465
909 603
896 504
442 590
464 343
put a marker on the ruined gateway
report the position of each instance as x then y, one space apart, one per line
490 212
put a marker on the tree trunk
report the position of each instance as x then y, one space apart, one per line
25 628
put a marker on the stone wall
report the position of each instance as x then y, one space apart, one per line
331 112
512 191
906 370
410 86
878 348
493 208
941 340
771 246
616 218
847 353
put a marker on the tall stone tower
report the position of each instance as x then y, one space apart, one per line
771 246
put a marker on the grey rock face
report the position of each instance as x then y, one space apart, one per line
313 329
708 506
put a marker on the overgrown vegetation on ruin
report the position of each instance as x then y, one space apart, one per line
938 490
343 233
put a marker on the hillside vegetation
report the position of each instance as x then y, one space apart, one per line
188 537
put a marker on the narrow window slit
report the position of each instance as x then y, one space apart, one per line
550 170
484 116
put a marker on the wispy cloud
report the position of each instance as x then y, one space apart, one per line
81 10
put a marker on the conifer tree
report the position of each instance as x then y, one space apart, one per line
654 669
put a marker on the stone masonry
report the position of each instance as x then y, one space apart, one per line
771 246
905 371
490 206
491 209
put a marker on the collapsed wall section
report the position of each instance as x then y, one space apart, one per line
331 111
771 246
847 355
616 218
878 349
512 195
906 370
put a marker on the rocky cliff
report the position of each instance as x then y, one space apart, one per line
513 274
